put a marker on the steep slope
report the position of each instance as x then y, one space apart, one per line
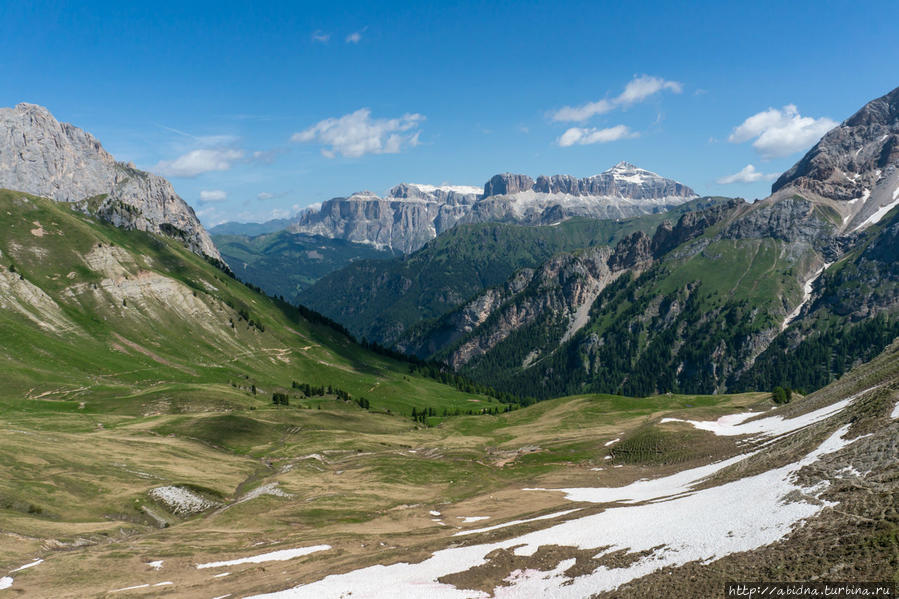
407 218
855 166
93 312
41 156
803 279
412 214
284 263
850 310
546 306
381 300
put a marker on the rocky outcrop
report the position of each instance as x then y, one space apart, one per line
506 184
550 297
853 165
555 298
410 215
407 218
44 157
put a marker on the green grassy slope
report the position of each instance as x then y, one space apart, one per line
284 263
136 323
380 300
687 324
853 315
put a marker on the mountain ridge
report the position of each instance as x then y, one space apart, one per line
411 214
41 156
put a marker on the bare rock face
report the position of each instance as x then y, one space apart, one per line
41 156
410 215
506 184
855 164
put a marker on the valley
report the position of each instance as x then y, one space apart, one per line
575 387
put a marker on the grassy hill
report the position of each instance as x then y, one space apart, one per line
127 321
379 300
284 264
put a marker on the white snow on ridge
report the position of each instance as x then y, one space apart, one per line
274 556
881 212
806 296
738 516
462 189
5 582
612 442
895 413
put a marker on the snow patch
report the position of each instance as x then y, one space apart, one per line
274 556
895 413
5 582
733 425
468 519
612 442
155 565
514 522
739 516
434 513
881 212
137 586
806 296
28 565
461 189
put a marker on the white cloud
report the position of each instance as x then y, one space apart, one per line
197 162
357 134
583 112
644 86
213 195
583 136
264 195
321 37
638 89
781 132
747 175
355 37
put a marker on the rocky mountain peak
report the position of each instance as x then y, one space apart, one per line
856 164
42 156
507 184
412 213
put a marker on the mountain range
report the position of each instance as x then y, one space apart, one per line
170 430
725 298
411 214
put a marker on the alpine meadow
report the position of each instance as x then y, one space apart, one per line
243 354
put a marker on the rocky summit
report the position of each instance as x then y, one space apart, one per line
41 156
410 214
854 165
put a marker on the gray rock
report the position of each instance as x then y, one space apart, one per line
44 157
410 215
854 165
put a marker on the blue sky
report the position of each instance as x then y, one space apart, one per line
253 110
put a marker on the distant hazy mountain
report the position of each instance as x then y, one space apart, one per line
250 229
284 263
411 214
44 157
